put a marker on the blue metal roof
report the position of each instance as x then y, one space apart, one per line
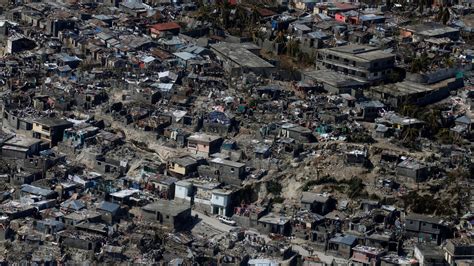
318 35
344 239
108 206
36 190
371 17
51 222
73 204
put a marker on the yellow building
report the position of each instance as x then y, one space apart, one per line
182 166
50 130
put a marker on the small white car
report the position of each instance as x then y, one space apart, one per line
226 220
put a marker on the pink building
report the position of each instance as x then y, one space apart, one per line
203 144
365 255
340 17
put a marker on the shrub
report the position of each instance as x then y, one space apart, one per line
321 181
274 187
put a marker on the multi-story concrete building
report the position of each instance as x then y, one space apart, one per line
362 63
459 251
426 229
50 130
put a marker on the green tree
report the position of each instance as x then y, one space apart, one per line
274 187
432 119
420 63
446 16
409 110
445 136
416 66
410 134
257 34
255 15
393 77
242 17
439 16
293 47
449 61
225 14
356 187
280 37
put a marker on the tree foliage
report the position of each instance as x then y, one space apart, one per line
274 187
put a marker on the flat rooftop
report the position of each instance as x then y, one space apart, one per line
462 242
227 162
368 249
430 250
124 193
239 55
22 142
273 218
184 161
431 29
411 164
406 88
359 52
201 137
52 122
201 183
423 218
168 207
333 78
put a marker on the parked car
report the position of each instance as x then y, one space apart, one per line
226 220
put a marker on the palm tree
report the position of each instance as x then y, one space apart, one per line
446 16
410 134
420 63
292 47
204 14
225 13
242 16
280 37
439 17
432 119
416 66
279 42
257 34
444 136
408 110
255 16
449 61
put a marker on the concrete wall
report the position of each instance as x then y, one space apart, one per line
182 192
80 244
16 122
245 222
228 170
343 251
23 178
216 128
176 168
423 230
416 175
436 76
370 71
175 222
12 153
